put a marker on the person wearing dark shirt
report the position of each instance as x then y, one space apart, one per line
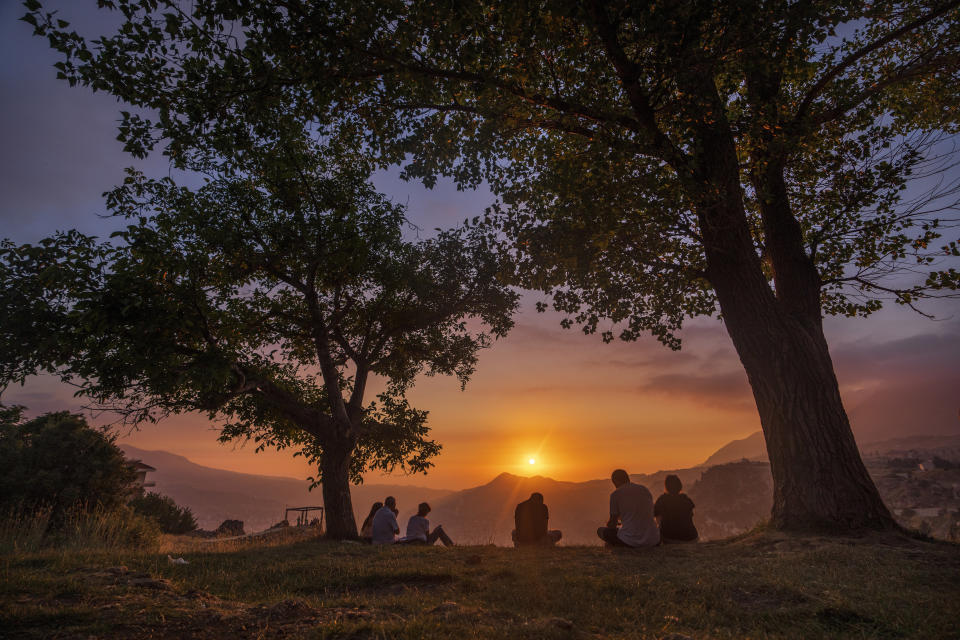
531 518
674 511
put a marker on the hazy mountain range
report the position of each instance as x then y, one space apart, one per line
753 447
732 490
215 495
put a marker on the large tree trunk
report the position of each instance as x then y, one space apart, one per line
820 482
338 507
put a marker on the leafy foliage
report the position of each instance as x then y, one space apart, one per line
597 125
169 516
58 464
653 161
267 298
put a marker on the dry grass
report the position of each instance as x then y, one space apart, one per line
761 586
260 540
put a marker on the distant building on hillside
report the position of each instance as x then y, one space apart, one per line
141 469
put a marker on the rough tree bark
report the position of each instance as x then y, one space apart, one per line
338 506
336 438
820 481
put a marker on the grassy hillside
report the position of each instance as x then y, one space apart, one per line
760 586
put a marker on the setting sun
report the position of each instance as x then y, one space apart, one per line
532 461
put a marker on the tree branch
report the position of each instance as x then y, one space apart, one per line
817 89
903 74
628 73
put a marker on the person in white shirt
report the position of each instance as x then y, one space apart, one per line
385 527
631 506
418 529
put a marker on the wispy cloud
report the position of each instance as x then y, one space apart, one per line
725 389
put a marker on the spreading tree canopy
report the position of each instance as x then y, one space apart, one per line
654 161
268 298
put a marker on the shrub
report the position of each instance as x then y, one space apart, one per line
170 517
23 531
107 529
58 462
79 528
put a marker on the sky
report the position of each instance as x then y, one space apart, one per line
575 406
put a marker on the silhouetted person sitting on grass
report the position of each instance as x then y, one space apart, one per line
385 527
366 530
530 520
418 529
631 505
674 512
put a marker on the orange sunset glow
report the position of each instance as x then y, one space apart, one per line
355 319
579 419
543 400
580 408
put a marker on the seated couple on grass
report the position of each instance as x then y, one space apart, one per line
643 524
384 528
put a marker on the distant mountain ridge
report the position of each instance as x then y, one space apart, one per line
729 498
732 489
215 495
754 448
484 514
